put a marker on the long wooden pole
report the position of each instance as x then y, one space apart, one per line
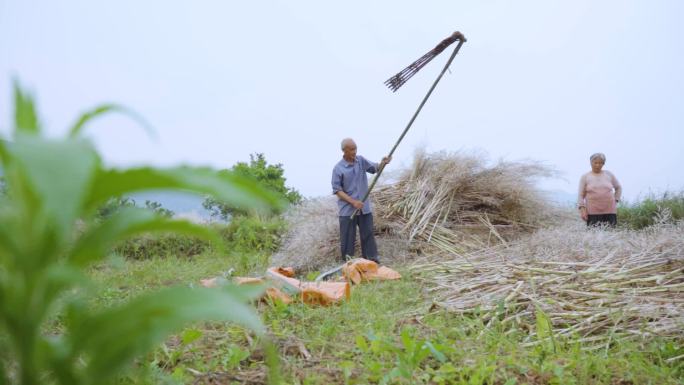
410 123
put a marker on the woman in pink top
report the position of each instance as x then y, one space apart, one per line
599 193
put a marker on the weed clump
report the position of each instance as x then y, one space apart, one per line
668 207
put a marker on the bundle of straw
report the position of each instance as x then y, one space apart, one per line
454 202
312 239
592 284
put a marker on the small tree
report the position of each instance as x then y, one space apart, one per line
116 204
158 208
268 176
113 206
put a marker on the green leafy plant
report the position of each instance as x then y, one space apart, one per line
254 234
49 236
148 246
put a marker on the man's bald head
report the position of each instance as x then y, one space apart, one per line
348 149
347 142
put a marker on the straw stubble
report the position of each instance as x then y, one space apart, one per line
594 284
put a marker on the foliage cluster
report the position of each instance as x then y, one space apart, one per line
243 235
269 176
667 207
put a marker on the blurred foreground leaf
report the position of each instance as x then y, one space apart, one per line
49 234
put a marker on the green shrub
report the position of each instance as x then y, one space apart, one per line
162 245
667 207
243 235
269 176
49 236
254 234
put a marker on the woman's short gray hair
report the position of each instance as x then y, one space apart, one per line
598 155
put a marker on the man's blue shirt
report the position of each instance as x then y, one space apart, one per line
351 178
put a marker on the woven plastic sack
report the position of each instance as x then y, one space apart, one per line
312 293
360 270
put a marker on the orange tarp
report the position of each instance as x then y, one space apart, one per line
312 293
283 287
271 293
360 270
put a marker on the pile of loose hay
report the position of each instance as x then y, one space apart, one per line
446 202
591 283
454 202
312 239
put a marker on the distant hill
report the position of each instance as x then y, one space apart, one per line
560 197
190 206
182 204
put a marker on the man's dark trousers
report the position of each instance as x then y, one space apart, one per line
369 249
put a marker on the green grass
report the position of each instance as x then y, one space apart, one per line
385 334
645 212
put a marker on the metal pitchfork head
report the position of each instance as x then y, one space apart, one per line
402 77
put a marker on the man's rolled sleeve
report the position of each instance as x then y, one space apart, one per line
336 181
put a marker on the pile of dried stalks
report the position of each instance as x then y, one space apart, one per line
447 203
454 202
312 240
596 285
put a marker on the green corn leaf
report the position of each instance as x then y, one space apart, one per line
95 243
228 187
105 109
8 247
244 293
3 375
25 117
111 339
47 237
56 355
48 286
58 278
48 181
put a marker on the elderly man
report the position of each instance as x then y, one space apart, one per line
350 184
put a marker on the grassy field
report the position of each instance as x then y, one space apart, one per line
387 333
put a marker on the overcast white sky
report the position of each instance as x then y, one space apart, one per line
552 81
